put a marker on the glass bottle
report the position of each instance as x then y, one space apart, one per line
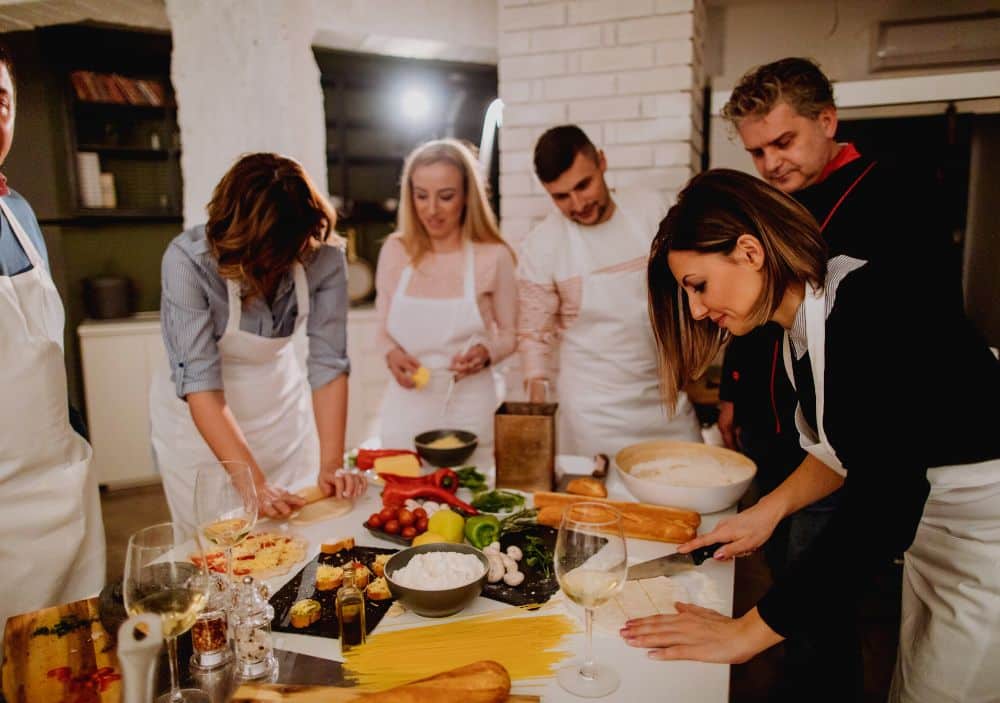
350 611
250 624
210 633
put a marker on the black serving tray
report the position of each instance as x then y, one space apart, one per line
536 589
303 585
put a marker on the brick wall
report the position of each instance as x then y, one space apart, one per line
629 72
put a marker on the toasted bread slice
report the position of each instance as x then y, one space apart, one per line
338 544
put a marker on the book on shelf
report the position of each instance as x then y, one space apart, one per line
114 88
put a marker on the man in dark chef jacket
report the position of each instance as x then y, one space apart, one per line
786 118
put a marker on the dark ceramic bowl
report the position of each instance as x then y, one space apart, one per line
435 604
445 457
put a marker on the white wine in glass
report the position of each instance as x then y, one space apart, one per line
160 579
225 505
591 562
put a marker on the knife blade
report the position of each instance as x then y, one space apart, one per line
671 564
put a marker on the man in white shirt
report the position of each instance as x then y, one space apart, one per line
582 295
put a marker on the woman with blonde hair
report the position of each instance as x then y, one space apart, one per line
921 474
265 266
446 301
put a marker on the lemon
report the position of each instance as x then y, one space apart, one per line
448 524
421 376
427 538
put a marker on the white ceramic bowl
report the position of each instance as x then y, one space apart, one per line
704 499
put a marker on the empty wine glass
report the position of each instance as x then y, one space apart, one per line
161 578
591 563
225 505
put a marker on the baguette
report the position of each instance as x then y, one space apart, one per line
587 486
479 682
635 525
654 512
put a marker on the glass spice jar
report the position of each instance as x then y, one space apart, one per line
250 624
210 632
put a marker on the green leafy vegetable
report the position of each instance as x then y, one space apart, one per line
498 501
538 555
469 478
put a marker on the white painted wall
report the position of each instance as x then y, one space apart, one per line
629 72
246 80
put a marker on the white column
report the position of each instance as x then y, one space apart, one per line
246 80
629 72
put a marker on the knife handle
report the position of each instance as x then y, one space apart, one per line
702 554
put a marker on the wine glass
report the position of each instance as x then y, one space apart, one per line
225 505
160 579
591 563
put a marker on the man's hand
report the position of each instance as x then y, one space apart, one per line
730 433
538 390
402 366
340 483
700 634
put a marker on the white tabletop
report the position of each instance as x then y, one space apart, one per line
642 678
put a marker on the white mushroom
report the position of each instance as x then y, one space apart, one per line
496 571
514 578
430 507
514 552
509 564
411 504
493 547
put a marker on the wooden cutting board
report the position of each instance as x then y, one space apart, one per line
60 654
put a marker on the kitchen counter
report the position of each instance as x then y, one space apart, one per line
642 678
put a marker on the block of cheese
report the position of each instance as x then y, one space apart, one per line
402 464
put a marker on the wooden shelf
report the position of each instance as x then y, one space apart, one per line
137 152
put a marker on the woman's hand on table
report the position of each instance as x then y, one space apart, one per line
471 362
700 634
402 366
274 502
740 534
341 483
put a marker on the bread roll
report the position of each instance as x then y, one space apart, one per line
587 486
656 512
479 682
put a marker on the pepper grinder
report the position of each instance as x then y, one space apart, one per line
210 633
250 623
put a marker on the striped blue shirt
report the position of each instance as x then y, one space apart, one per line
13 260
194 311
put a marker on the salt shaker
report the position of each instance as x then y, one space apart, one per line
250 625
210 632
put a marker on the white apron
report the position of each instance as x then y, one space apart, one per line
949 635
609 394
52 551
432 331
268 393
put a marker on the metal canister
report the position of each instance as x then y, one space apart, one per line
525 446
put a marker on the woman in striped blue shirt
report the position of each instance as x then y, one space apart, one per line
266 265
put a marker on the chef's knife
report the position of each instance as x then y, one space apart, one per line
671 564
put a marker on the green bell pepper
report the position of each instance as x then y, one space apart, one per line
481 530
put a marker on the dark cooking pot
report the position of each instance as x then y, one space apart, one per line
106 297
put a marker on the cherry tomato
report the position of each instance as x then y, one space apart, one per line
408 532
419 513
387 514
375 521
392 527
421 524
405 517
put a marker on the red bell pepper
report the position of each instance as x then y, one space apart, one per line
445 479
366 457
396 494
